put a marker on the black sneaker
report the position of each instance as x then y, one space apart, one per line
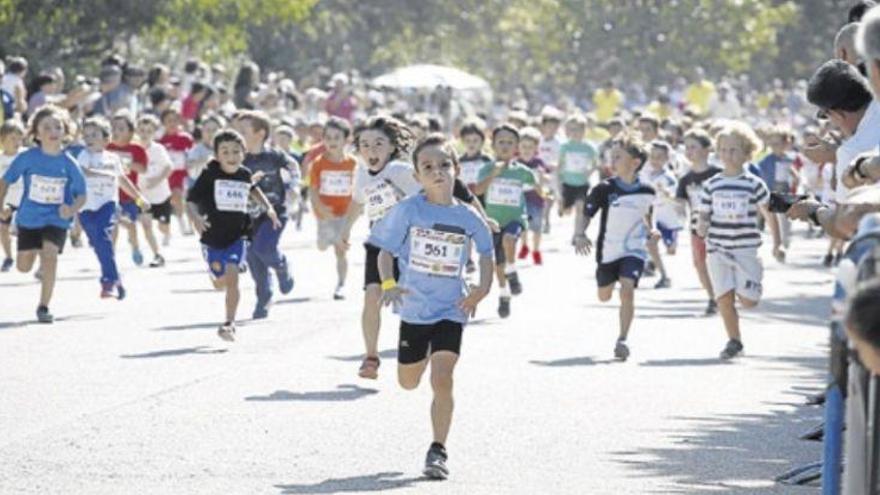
733 349
837 258
7 265
504 307
513 281
435 463
650 269
621 350
43 315
227 332
711 308
157 262
828 260
663 283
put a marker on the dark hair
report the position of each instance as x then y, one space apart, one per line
248 76
699 136
228 136
650 119
633 146
155 73
661 145
401 137
505 127
863 315
191 66
857 11
16 65
100 123
157 95
435 139
125 116
339 124
837 85
172 110
472 128
434 123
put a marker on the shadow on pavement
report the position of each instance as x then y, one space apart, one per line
355 484
15 324
189 326
386 354
686 362
293 300
343 393
175 352
569 362
83 317
204 290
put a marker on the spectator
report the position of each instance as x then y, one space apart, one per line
340 102
13 82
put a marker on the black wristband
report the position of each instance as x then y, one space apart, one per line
814 217
857 170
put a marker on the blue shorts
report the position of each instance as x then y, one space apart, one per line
234 254
514 229
535 211
129 210
627 267
669 236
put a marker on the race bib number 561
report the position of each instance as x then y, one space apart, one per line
435 252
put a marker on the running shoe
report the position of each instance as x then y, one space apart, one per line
7 265
828 260
733 349
515 285
435 463
663 283
338 294
158 261
536 257
106 290
227 332
76 241
504 307
711 308
523 252
261 311
137 257
120 291
370 368
285 280
621 350
44 316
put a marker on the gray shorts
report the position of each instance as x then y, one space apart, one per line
330 231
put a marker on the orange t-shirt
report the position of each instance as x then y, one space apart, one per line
333 182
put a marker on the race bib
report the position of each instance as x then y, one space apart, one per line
381 197
101 186
47 190
577 163
470 172
231 195
335 183
730 206
126 160
178 159
505 192
436 253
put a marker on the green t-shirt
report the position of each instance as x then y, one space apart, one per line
505 199
577 161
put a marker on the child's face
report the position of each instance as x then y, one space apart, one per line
209 130
695 152
302 133
549 128
94 138
473 143
146 131
435 170
778 144
283 139
575 132
528 148
622 162
375 148
658 158
316 132
50 131
732 152
334 139
505 145
250 134
647 130
12 142
615 129
119 131
230 154
171 122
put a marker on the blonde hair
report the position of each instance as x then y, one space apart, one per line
742 131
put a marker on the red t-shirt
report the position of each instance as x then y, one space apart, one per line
189 109
177 145
129 153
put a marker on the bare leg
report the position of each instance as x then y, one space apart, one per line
727 308
627 305
442 366
49 265
371 319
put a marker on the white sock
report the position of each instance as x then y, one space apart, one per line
505 291
509 269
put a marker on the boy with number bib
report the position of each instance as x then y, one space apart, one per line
577 161
332 175
473 136
217 205
430 234
504 184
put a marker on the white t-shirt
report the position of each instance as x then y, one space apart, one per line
865 138
10 82
666 209
379 192
157 162
14 190
548 151
104 188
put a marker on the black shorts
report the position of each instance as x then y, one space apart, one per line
9 220
627 267
572 194
161 212
371 266
513 228
415 340
29 239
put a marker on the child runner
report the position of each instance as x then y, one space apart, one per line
332 174
728 221
155 187
666 215
530 138
134 162
269 167
201 153
548 152
504 184
382 143
54 190
697 146
104 178
577 161
429 234
473 136
625 207
779 170
178 142
217 205
11 137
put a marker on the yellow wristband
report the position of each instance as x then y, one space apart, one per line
389 284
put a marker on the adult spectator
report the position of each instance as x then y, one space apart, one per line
845 44
725 104
246 83
857 11
607 100
700 92
340 102
13 82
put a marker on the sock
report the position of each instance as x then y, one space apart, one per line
505 291
438 446
509 269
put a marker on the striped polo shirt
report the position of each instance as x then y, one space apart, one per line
732 204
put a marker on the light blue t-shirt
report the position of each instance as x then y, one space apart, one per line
431 243
49 182
577 161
